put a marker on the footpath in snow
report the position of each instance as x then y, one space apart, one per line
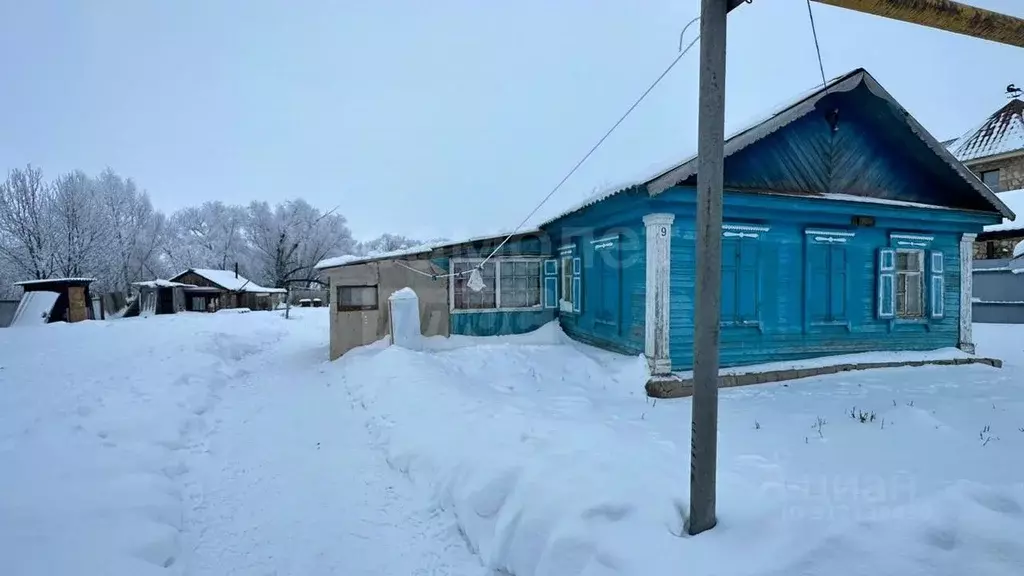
199 444
556 464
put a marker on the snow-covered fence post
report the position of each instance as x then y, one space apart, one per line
404 317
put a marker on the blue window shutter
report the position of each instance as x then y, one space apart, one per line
551 283
837 283
886 283
937 288
576 285
730 280
817 287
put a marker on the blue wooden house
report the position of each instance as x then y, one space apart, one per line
847 228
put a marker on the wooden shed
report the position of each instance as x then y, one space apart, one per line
54 300
161 296
211 290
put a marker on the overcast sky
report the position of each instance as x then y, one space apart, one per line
443 118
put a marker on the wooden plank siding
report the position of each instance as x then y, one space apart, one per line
620 216
784 331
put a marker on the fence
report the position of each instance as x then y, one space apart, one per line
308 294
998 292
7 309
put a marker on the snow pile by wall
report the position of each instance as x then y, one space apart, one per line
556 464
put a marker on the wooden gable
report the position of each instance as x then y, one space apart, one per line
851 143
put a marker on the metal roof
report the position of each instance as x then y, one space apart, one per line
1000 133
230 281
55 280
422 249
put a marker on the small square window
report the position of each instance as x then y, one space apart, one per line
356 298
991 179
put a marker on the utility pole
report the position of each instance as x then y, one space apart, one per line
710 176
941 14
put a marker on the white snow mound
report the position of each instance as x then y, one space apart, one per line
556 464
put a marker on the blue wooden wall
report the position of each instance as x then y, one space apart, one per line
785 315
613 298
499 322
786 295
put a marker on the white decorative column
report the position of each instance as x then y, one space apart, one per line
656 318
966 342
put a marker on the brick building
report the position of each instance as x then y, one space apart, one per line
995 152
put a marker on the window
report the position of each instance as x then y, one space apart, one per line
991 179
741 274
465 298
827 276
910 283
508 283
566 298
570 278
520 284
356 298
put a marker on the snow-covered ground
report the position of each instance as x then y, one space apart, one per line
210 444
200 444
556 464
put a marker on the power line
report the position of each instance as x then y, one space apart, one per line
585 157
817 47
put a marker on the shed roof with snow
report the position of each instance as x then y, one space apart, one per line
229 281
54 283
429 250
158 283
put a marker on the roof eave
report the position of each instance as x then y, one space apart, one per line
993 157
438 251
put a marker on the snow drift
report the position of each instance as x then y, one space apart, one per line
555 463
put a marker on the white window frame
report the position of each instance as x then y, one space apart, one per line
565 268
497 285
921 274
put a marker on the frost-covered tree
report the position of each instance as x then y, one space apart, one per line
208 236
289 239
137 231
26 240
80 233
386 243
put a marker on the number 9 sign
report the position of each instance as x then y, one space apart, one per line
663 231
